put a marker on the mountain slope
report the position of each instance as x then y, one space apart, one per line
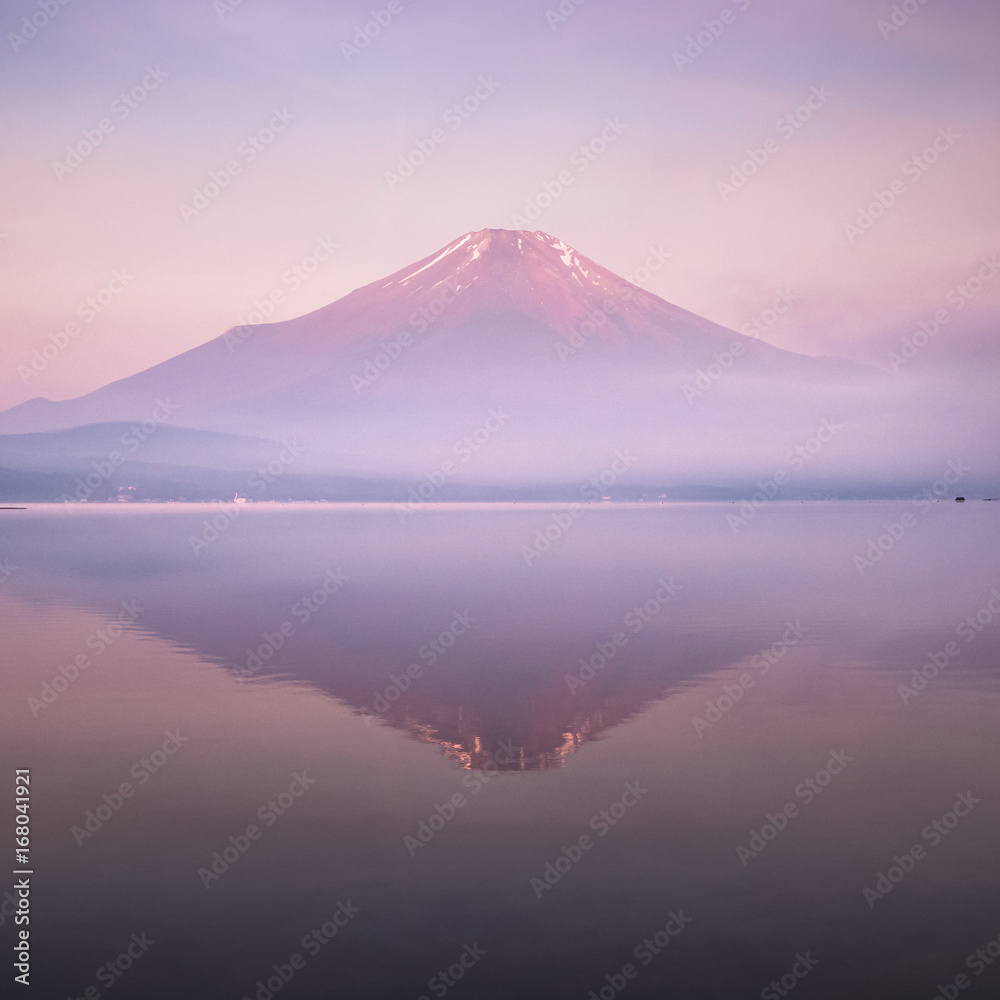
523 300
547 362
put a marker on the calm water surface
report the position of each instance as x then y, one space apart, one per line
451 747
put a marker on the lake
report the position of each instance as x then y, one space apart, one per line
507 751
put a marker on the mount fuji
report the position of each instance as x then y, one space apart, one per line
503 360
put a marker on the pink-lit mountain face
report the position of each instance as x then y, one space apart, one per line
562 362
524 301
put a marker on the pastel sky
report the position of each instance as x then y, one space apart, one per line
210 75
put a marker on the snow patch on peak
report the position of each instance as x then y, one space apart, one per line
444 253
481 241
546 238
569 256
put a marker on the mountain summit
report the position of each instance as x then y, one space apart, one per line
533 278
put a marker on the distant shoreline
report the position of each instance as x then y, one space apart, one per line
413 508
